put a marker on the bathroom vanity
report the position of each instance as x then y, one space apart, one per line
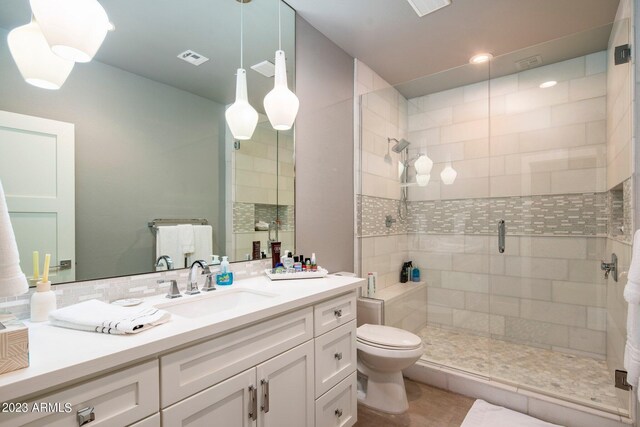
286 358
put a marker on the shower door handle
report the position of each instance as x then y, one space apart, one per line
502 231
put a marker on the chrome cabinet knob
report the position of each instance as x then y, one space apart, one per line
338 413
338 356
337 312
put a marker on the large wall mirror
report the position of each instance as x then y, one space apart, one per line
138 134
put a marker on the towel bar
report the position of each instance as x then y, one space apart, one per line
162 221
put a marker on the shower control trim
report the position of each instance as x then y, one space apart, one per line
502 231
388 221
610 268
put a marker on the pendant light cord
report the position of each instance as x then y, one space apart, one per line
241 33
279 25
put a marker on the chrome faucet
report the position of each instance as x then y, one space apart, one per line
167 260
192 283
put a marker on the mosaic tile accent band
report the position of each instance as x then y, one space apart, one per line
245 216
583 214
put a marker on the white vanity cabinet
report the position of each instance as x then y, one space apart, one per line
295 368
276 393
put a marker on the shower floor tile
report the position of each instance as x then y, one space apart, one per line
565 375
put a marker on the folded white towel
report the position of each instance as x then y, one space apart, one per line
186 238
203 238
483 414
167 243
632 363
98 316
12 280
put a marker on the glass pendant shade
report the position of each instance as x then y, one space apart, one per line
38 65
448 175
423 180
74 29
241 117
423 165
281 105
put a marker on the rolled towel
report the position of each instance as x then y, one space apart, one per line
12 280
98 316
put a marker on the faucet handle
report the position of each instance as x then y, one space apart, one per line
209 285
174 292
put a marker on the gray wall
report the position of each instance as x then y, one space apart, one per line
324 150
144 150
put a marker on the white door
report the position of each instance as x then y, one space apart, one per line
286 389
226 404
37 171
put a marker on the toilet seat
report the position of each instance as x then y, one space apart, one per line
387 338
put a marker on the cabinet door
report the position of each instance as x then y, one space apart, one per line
286 389
227 404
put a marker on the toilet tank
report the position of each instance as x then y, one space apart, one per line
370 310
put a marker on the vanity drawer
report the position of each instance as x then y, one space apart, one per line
118 399
336 356
339 406
196 368
335 312
152 421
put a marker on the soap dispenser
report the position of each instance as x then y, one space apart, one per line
224 265
43 302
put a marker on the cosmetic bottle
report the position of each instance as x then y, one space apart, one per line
287 261
415 274
43 302
314 265
371 285
275 254
256 250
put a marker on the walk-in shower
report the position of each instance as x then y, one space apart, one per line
510 249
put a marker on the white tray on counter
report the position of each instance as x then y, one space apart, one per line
321 272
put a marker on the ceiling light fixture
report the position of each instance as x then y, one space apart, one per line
241 117
546 85
448 174
38 65
281 105
480 58
74 29
423 180
423 164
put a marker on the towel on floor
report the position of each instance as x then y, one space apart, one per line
186 238
98 316
167 243
632 296
483 414
12 280
203 243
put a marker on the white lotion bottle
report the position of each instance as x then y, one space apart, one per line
43 302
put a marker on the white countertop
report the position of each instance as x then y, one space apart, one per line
58 355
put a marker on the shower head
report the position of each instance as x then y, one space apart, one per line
400 145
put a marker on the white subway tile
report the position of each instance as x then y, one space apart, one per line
596 63
587 110
588 87
560 71
534 98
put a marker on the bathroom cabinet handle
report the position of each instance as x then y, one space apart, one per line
253 403
85 415
338 356
502 231
338 413
338 312
265 396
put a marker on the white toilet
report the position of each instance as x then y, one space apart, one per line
383 352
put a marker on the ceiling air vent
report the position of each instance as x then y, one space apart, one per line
192 57
530 62
265 68
424 7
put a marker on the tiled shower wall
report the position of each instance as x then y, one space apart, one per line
263 180
543 170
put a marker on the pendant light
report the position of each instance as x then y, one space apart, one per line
38 65
241 117
423 165
423 180
281 105
448 174
74 29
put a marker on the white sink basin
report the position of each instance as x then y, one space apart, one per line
214 302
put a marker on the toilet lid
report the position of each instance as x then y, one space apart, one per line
387 336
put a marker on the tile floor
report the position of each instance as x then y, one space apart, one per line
564 375
428 407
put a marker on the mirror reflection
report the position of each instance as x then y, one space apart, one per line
139 134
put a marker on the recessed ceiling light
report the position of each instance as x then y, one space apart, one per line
480 58
550 83
424 7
